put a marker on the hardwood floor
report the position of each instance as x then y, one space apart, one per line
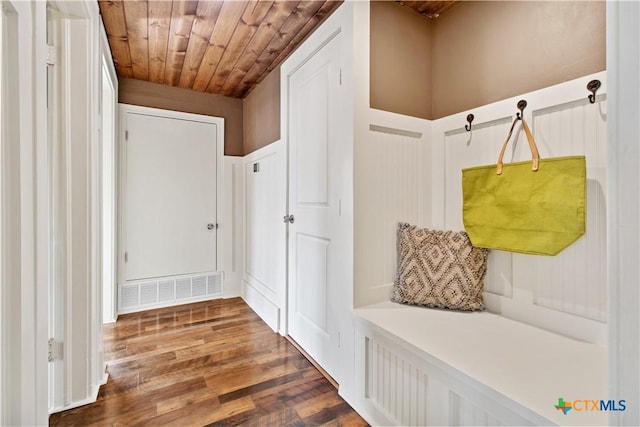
214 362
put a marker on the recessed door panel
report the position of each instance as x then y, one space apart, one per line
313 147
311 270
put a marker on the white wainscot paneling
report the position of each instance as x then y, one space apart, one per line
399 385
575 281
462 412
464 149
392 174
565 293
395 385
265 231
231 231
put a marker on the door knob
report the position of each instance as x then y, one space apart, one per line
289 219
211 226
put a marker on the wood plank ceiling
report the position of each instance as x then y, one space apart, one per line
222 47
430 9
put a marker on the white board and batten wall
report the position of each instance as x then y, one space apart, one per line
264 276
565 294
172 201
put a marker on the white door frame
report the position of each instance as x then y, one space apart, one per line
110 78
122 162
623 57
74 168
2 208
23 399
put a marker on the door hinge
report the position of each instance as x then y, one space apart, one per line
340 76
52 55
126 135
126 257
55 350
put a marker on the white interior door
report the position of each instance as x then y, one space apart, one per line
314 201
170 211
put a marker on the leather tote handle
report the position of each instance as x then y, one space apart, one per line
532 145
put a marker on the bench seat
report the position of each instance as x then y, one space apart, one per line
517 366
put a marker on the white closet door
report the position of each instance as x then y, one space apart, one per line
314 201
170 196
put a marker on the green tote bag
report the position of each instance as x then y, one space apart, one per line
532 207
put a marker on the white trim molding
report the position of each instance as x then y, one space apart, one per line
623 59
75 321
25 196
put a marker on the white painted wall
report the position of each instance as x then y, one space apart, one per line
623 70
264 277
392 163
393 166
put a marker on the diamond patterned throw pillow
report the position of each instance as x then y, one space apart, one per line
439 269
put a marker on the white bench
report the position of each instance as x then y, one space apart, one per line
418 366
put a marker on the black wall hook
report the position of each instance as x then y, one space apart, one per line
470 118
522 104
593 87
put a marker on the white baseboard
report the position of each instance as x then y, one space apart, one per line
92 399
267 310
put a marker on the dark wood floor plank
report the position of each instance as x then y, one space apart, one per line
210 363
327 415
317 404
264 385
283 417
